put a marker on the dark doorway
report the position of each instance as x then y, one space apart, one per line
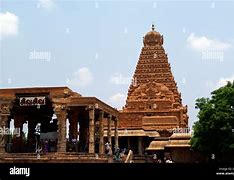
30 115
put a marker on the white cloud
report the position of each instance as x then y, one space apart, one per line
80 78
117 100
46 4
223 81
118 78
8 24
202 43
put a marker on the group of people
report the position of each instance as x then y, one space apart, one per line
165 159
118 155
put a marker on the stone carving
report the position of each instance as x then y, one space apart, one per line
151 90
185 109
5 108
59 107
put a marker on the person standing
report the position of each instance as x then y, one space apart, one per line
38 136
107 147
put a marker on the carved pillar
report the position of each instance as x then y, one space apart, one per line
139 145
5 113
116 133
109 128
91 130
101 133
60 111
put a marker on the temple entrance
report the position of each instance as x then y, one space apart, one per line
29 110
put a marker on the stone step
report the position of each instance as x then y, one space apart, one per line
139 159
52 157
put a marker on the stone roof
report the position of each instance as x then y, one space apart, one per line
179 140
134 132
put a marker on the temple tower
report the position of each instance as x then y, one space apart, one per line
153 106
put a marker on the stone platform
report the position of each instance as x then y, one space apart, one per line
53 158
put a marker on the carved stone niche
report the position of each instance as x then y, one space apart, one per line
5 108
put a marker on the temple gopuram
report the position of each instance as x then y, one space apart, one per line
153 114
56 109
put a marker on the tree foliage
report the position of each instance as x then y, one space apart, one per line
214 132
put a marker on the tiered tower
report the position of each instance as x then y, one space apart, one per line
153 102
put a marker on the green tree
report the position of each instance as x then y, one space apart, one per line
214 132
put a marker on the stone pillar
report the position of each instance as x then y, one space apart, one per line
5 113
109 129
91 130
116 133
101 133
60 111
129 144
140 145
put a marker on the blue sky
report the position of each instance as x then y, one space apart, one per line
93 47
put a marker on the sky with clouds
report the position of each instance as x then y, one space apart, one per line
93 47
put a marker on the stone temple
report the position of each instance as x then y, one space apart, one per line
153 108
153 119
